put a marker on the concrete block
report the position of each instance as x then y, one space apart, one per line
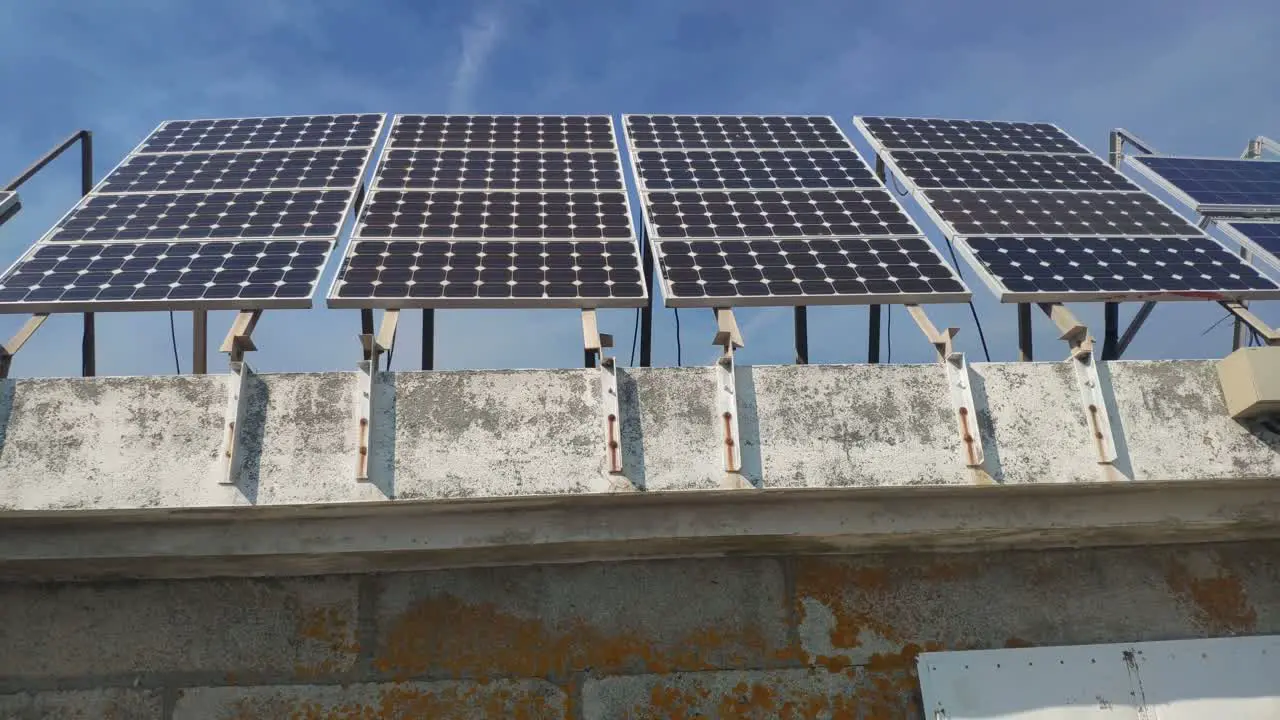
278 628
107 704
674 426
525 699
864 425
1178 428
808 694
553 620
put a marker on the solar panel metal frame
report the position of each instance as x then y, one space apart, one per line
1004 294
183 305
1228 228
1206 209
673 301
333 301
883 150
10 203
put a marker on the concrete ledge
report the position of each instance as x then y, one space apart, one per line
416 535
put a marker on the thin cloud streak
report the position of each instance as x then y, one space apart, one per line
479 40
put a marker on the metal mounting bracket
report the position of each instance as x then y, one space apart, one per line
232 456
594 344
1084 366
20 338
730 339
959 386
366 387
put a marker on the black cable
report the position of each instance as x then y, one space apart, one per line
888 334
635 333
1216 324
679 359
896 186
173 338
972 310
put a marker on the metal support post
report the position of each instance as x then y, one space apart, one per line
1245 317
873 334
802 335
729 338
239 340
959 385
646 312
1134 326
1025 353
428 339
1110 330
15 343
594 345
367 386
199 342
88 343
1083 365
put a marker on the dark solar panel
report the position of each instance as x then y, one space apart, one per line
1007 171
495 215
468 273
511 132
753 169
499 170
1217 184
893 133
266 133
1014 212
763 214
250 170
711 132
200 216
60 278
1258 236
1084 268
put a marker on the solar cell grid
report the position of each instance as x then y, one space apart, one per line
1007 171
753 169
521 132
1075 268
776 214
499 170
195 216
895 133
700 132
250 170
1013 212
1261 237
61 278
468 273
495 215
265 133
1216 185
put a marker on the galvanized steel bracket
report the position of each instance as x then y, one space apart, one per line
231 458
1098 420
729 338
612 414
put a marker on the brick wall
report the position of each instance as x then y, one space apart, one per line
793 637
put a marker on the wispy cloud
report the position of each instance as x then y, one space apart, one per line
479 40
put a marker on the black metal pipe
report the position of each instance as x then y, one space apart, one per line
88 340
646 312
1110 330
802 335
428 339
366 321
873 334
50 156
588 358
1024 332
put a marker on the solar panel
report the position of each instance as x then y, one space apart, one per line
967 170
1065 269
512 132
499 170
775 211
701 132
1216 186
8 204
892 133
740 169
1044 221
1260 237
206 214
494 211
265 133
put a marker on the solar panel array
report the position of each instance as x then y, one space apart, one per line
1216 186
494 211
775 210
237 213
1044 220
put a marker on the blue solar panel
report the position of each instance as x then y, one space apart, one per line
1216 185
1263 238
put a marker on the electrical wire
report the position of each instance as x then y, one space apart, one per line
679 358
896 187
972 310
173 338
1216 324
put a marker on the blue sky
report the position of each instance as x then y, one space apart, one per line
1189 76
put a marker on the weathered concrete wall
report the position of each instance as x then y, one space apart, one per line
123 443
785 637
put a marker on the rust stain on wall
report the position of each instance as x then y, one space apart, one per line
398 703
328 628
1221 602
450 637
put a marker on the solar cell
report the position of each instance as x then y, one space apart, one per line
1216 185
703 132
135 276
894 133
499 170
467 273
1065 269
1015 212
512 132
250 170
1007 171
763 214
808 272
265 133
495 215
204 215
752 169
1261 237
